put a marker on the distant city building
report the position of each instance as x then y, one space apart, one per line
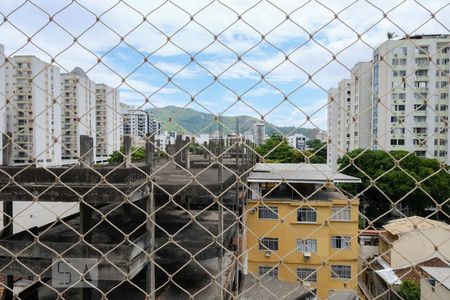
33 88
109 121
259 133
137 123
349 113
2 100
78 112
411 96
298 141
292 197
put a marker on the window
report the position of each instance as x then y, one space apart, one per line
307 274
341 213
340 242
268 271
306 215
270 212
268 244
341 271
307 245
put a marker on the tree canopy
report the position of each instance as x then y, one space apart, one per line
278 150
409 290
117 156
399 175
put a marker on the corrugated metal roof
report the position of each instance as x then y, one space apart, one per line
302 173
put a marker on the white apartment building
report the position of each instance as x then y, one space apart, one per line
259 133
410 82
108 121
78 100
349 113
298 141
33 116
2 100
138 123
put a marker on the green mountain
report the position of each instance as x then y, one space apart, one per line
188 120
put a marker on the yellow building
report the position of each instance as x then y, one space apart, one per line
299 227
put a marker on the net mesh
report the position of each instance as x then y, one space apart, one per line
177 149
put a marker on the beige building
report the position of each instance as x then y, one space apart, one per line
414 239
404 246
78 112
435 285
33 116
108 121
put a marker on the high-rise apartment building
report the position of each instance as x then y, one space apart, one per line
259 133
349 113
78 111
2 101
298 141
33 115
411 96
108 121
138 123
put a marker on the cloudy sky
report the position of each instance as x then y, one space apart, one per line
271 59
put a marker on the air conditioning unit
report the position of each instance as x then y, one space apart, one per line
306 256
268 253
253 210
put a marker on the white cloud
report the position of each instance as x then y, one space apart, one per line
235 37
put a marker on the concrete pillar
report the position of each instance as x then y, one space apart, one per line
127 150
150 151
150 227
178 146
7 148
87 150
187 154
158 145
205 153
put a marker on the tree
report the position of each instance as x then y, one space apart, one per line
318 151
409 290
400 173
277 150
391 35
137 154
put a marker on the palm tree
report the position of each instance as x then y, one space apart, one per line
391 35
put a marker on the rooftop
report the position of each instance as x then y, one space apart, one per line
412 273
272 289
401 226
439 274
300 173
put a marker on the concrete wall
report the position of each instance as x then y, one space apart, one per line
418 246
438 292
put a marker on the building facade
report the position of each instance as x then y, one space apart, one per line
2 101
287 236
349 113
411 96
78 112
298 141
259 133
108 121
33 116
